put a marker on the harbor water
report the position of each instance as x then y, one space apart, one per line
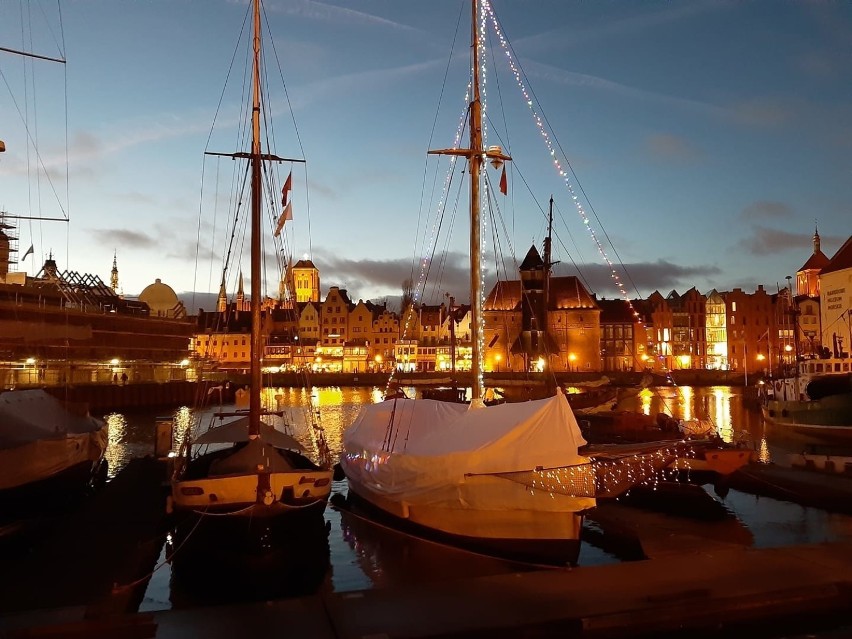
360 554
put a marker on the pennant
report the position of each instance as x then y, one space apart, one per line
285 190
287 214
28 253
504 186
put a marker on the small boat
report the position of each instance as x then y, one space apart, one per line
815 400
246 469
48 450
505 479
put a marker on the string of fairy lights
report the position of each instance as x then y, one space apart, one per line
563 174
601 477
432 236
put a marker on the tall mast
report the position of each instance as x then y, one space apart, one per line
547 262
475 162
256 343
475 156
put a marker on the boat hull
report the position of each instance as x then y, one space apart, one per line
218 559
829 417
254 495
539 536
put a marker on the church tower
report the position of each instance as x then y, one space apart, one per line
241 296
306 280
807 277
113 276
222 303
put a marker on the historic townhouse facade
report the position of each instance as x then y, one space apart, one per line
544 322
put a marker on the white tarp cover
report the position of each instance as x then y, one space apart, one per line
237 431
434 444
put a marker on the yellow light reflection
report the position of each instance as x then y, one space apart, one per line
117 454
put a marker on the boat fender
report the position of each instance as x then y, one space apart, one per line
268 497
169 505
339 474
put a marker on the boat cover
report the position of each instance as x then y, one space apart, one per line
402 448
237 431
40 437
31 415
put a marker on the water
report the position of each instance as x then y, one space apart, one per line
361 555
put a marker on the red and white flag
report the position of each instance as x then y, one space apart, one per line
504 185
286 189
287 214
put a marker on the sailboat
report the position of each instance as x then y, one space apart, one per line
243 469
504 479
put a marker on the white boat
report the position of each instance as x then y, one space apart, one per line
244 468
505 479
816 400
48 449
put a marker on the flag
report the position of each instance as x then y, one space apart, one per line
285 190
287 214
28 253
504 186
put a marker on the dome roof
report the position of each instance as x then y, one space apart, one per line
159 297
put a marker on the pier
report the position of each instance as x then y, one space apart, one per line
86 578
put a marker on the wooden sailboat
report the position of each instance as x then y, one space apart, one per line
245 470
504 479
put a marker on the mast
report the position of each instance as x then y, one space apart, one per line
256 343
547 262
475 165
475 155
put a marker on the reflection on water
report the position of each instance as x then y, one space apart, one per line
363 556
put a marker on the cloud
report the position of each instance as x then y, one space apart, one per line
767 112
572 78
766 241
668 146
766 209
370 278
331 13
124 238
645 276
622 26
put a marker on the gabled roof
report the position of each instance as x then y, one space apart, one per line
304 264
615 311
841 260
816 262
566 292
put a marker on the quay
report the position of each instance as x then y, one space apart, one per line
87 577
104 396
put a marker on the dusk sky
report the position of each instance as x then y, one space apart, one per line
708 137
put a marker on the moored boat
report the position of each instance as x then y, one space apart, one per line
816 400
48 450
247 468
507 478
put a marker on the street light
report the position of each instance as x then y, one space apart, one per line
497 358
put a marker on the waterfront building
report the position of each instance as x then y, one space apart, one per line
807 277
716 331
835 282
67 327
305 278
541 322
623 343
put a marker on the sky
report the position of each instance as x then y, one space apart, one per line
705 139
